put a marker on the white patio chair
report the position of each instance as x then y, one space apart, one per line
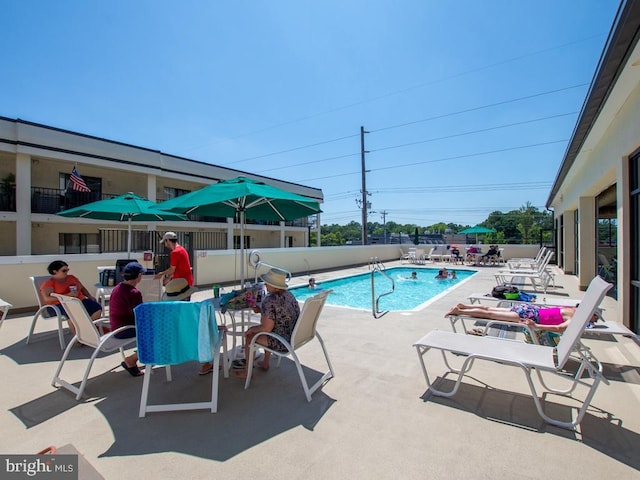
150 288
171 333
303 332
526 356
45 311
87 334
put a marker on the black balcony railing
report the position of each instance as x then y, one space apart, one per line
8 201
54 200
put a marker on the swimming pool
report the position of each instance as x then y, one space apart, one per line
410 294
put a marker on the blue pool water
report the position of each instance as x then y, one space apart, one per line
355 291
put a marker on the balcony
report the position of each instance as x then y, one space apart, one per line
8 201
54 200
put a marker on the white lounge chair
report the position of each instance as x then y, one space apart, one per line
303 332
528 357
524 262
540 278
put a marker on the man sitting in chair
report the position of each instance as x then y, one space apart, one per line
279 313
124 298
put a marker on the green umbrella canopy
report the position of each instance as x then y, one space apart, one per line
257 200
477 229
128 207
252 199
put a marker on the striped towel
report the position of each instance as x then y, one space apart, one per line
169 333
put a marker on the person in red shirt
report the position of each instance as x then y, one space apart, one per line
179 264
63 283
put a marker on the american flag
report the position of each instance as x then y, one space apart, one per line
77 183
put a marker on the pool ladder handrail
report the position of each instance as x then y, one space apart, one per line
254 260
375 265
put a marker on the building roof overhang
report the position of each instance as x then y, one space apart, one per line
616 57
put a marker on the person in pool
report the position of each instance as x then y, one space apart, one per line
453 275
312 283
552 319
442 274
414 276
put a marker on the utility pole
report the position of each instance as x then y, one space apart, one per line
383 214
364 188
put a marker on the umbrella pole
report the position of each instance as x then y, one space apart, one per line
129 239
241 248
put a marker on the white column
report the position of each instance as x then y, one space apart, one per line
230 226
587 241
152 195
569 243
623 269
151 188
318 230
23 204
282 232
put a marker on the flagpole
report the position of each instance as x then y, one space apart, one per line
75 165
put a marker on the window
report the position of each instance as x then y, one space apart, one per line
236 242
170 192
79 243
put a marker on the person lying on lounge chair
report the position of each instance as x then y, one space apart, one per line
553 319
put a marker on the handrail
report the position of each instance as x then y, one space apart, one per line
256 262
377 266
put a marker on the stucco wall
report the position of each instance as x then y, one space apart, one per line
214 266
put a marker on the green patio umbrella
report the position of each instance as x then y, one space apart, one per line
250 198
477 229
128 207
416 237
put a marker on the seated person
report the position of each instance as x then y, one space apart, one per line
63 283
455 253
124 298
471 253
442 274
552 319
279 313
491 254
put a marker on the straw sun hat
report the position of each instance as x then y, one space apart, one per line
178 289
276 278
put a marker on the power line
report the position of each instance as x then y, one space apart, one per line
471 132
292 149
473 109
477 154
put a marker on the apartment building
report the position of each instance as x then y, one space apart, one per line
36 162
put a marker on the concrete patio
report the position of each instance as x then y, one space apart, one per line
373 420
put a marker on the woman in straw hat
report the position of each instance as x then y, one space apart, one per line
278 314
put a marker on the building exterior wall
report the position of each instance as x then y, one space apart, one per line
37 155
602 162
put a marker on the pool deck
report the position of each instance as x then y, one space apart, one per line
373 420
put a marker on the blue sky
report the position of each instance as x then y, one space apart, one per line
469 104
